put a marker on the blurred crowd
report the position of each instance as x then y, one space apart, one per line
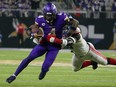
23 8
81 8
93 8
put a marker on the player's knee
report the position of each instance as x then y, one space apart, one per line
104 63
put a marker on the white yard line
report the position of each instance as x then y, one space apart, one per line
62 50
36 63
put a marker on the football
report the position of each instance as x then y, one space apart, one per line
37 30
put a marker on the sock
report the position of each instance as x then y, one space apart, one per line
111 61
86 64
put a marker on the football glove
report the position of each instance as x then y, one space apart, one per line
70 41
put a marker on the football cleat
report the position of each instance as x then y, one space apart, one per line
94 65
42 75
11 78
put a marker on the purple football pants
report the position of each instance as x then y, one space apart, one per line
51 53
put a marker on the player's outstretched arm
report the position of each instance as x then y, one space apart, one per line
65 42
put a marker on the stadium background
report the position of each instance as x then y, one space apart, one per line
95 18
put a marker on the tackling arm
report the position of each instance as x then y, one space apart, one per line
53 39
72 39
65 42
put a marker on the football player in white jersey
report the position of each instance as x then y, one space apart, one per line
85 53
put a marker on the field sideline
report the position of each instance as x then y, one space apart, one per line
60 74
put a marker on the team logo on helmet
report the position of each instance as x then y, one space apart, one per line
43 24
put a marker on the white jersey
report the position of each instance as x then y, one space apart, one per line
80 48
85 51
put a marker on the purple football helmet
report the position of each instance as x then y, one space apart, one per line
50 12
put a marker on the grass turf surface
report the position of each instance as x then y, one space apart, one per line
58 76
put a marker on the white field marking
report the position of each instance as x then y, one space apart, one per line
35 63
39 63
29 49
62 50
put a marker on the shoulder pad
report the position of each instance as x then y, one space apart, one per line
40 16
64 16
61 13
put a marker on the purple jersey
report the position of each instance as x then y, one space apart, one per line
58 24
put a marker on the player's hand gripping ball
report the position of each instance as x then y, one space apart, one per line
34 31
37 31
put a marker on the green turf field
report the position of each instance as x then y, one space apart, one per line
60 74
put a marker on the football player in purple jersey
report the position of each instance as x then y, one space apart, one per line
50 21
